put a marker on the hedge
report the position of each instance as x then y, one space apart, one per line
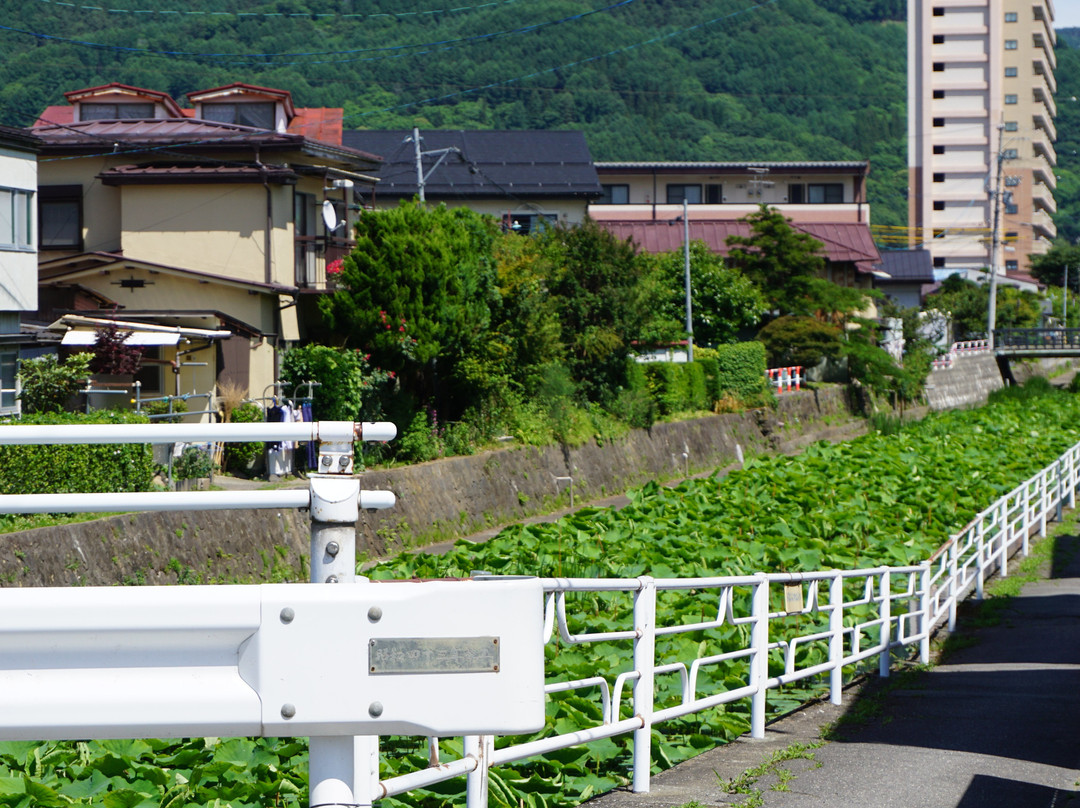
741 368
77 468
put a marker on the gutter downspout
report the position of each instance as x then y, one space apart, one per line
267 235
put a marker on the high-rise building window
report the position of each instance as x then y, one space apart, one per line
939 262
1011 72
939 94
1010 16
1012 266
1011 126
1010 98
939 176
939 67
939 121
939 11
1011 44
939 149
939 204
939 39
1010 154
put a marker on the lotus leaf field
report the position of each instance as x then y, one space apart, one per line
881 499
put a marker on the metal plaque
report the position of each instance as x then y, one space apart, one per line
433 655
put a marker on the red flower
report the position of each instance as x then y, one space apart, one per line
334 267
400 329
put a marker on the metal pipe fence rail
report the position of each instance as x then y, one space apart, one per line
772 628
763 630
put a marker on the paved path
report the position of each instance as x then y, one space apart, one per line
996 725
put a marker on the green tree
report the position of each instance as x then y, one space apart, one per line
1050 267
47 383
967 304
724 302
779 259
416 291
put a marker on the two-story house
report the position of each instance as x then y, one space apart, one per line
826 200
18 249
206 223
522 177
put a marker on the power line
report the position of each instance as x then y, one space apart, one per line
397 15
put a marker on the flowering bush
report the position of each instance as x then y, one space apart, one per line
334 267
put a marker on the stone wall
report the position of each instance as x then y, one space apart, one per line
436 501
968 383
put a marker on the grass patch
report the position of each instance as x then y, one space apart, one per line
746 783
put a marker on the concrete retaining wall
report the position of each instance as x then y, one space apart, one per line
436 501
968 383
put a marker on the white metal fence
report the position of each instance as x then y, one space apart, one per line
852 616
769 629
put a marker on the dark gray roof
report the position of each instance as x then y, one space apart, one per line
907 266
489 164
19 139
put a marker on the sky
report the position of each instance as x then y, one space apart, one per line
1067 14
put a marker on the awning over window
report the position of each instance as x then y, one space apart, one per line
141 338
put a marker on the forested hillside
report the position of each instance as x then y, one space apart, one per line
645 79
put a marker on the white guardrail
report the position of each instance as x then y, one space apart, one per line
759 627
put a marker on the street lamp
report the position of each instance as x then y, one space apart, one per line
685 218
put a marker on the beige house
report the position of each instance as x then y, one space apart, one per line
827 200
217 220
981 90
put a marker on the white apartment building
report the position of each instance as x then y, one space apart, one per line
980 90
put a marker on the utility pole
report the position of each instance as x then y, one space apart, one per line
421 177
995 241
686 263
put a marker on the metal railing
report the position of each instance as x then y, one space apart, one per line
960 348
850 616
1047 340
763 630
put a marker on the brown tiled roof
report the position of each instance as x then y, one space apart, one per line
159 130
844 241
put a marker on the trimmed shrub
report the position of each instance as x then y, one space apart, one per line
710 366
668 385
698 397
741 369
244 457
77 468
800 341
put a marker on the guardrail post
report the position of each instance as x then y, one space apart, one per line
1043 506
952 584
1003 533
1059 485
759 666
885 611
980 555
644 663
343 770
924 607
836 639
476 781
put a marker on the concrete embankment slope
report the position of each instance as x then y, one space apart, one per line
436 501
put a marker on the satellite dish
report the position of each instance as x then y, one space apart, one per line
329 216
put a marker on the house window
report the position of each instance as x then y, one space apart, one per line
60 217
259 115
825 193
939 149
1011 126
150 375
939 39
939 67
16 221
714 194
939 176
677 193
1010 16
114 112
939 205
1010 98
1011 44
1011 72
8 368
525 223
614 195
